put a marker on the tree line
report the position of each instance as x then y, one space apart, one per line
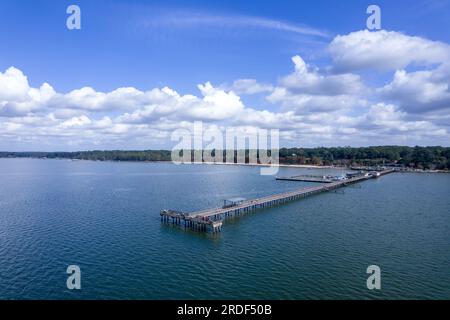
411 157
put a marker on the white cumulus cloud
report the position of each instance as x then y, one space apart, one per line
331 105
388 50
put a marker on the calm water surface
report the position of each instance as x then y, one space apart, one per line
104 217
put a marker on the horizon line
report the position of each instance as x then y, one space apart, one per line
170 150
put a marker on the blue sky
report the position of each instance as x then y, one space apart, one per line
181 44
115 47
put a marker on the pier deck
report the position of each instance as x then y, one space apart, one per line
210 220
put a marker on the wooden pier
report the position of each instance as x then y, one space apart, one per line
210 220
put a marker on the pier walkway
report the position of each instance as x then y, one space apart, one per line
210 220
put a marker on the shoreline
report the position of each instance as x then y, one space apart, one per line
310 166
283 165
305 166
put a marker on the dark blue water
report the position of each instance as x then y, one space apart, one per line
104 217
